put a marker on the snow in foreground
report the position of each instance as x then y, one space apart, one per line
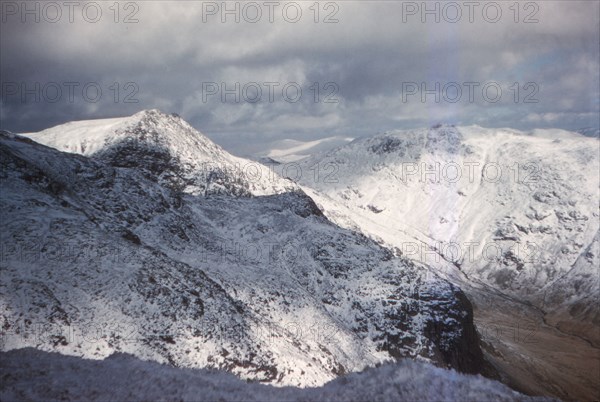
30 374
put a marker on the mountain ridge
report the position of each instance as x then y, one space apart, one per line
168 149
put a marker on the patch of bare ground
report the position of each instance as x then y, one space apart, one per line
530 354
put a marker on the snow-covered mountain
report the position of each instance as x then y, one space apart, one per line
506 215
246 275
515 211
166 149
140 235
288 150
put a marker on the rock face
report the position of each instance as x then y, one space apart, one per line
465 353
125 244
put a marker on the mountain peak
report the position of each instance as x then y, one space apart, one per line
88 137
156 116
165 147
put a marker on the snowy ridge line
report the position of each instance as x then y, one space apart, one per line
289 150
36 375
167 148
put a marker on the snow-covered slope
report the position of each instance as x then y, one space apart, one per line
287 151
99 257
511 210
510 217
167 149
33 375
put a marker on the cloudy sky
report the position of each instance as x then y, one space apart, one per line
302 70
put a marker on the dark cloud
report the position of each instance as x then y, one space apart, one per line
370 55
